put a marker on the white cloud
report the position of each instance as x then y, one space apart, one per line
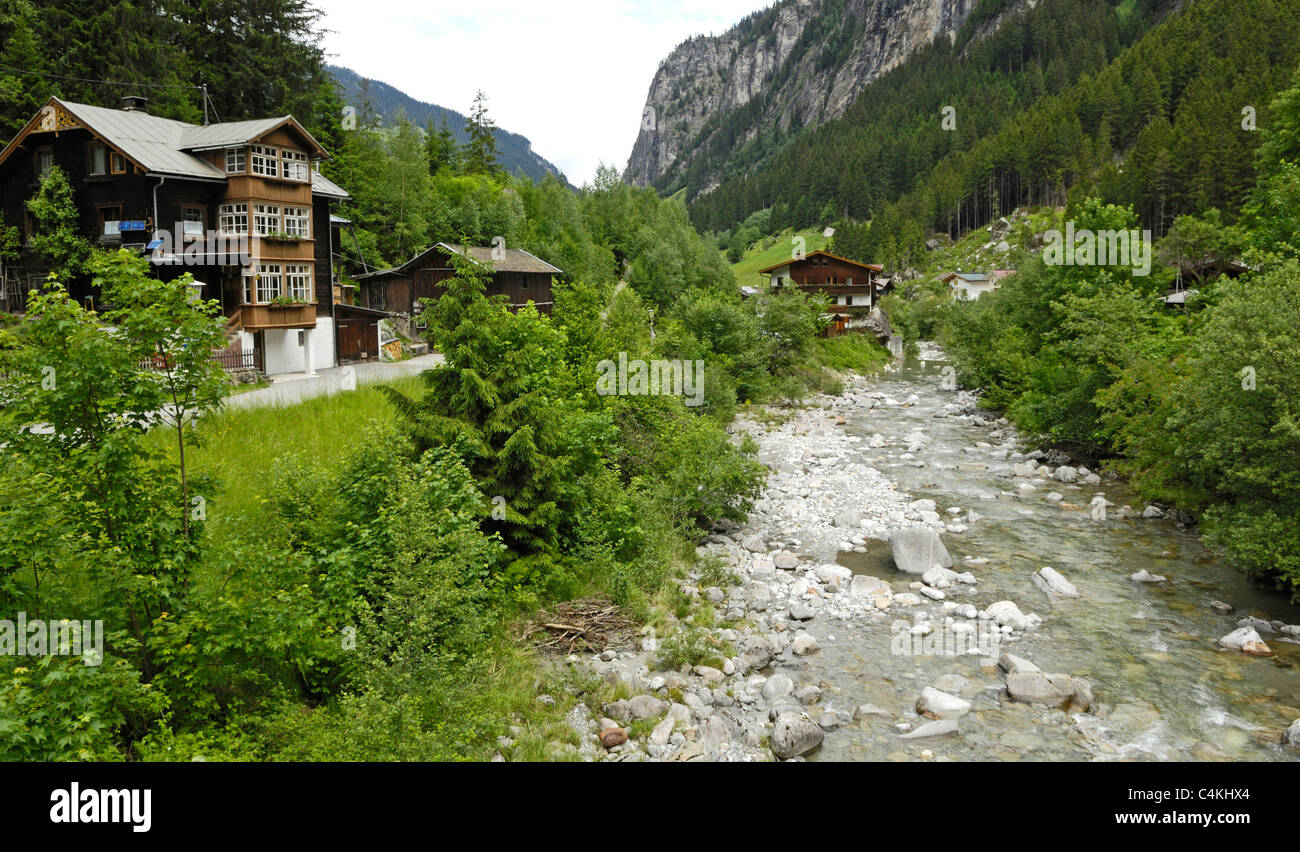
571 75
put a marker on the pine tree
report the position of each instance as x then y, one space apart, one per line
480 151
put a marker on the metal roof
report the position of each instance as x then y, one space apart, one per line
321 185
162 145
156 144
515 260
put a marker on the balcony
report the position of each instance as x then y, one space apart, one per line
257 317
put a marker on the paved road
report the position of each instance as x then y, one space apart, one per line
292 388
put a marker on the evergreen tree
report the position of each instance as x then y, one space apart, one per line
480 152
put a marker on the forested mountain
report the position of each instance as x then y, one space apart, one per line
517 155
719 101
1144 103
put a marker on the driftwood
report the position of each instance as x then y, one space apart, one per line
590 624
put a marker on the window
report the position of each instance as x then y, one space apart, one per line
98 160
234 161
117 162
297 281
268 282
263 161
266 219
295 166
110 223
233 219
192 221
297 222
44 162
248 288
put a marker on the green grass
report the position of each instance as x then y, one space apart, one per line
772 250
240 446
857 353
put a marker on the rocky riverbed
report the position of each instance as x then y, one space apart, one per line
852 631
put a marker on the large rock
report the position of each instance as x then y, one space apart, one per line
795 734
1011 664
938 728
940 705
1291 738
1065 473
753 543
1052 583
777 686
1247 641
1054 690
1006 613
918 549
646 707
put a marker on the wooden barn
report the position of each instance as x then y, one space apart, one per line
516 274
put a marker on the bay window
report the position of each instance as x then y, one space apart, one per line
233 219
268 282
263 160
266 219
297 282
297 222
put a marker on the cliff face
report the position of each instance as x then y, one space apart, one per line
801 62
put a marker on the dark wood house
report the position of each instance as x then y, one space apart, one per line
850 284
240 205
516 274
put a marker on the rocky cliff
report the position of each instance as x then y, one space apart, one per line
796 64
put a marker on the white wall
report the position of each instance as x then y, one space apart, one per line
285 355
964 290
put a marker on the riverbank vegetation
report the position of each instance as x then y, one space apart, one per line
347 578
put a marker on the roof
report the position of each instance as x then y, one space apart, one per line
876 267
511 260
977 277
1180 297
163 146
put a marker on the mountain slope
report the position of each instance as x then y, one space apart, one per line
517 154
797 64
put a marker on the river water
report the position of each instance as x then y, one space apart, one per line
1163 688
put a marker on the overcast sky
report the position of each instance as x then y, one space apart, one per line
570 75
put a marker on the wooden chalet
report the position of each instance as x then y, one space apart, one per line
240 205
854 288
519 276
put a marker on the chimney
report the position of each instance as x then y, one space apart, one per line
135 103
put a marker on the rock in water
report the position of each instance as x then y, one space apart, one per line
795 734
1052 583
940 705
1145 576
1007 613
1247 641
939 728
1054 690
918 549
1291 739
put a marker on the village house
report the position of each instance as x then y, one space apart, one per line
969 286
854 288
240 205
515 274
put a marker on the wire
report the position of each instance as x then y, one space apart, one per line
102 82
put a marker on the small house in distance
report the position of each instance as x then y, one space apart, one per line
969 286
516 274
849 283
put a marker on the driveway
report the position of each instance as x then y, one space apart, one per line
293 388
